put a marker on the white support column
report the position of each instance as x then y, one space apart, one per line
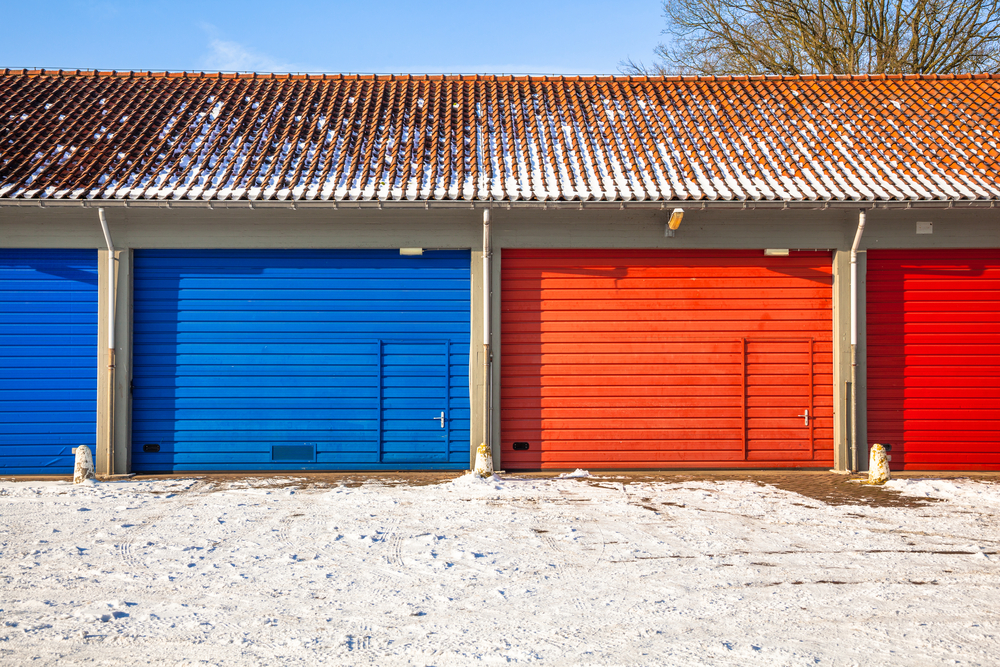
487 328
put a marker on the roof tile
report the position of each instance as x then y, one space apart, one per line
181 135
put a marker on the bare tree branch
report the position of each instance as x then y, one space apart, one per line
826 36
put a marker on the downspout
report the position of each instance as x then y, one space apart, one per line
111 342
487 328
862 217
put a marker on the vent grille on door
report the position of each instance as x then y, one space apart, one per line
293 452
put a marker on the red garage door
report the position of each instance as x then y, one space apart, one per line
934 357
666 359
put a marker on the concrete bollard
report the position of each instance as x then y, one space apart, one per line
878 465
83 468
484 461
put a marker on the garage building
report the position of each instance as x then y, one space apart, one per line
333 272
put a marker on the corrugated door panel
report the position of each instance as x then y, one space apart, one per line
658 358
780 389
933 336
48 359
415 404
254 360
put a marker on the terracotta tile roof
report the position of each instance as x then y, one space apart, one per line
107 135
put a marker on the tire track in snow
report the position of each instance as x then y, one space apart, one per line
608 552
394 554
283 525
575 567
126 555
378 566
126 552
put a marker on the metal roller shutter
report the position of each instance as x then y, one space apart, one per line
305 360
48 359
933 337
659 358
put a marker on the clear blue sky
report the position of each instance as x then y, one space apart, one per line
513 36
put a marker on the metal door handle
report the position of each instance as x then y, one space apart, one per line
806 415
441 418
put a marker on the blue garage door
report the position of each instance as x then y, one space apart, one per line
48 359
300 360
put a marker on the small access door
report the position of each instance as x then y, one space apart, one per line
414 395
780 414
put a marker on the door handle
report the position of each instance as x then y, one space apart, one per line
441 418
806 415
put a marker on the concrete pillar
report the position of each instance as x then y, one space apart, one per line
841 359
476 378
495 347
113 456
476 357
862 359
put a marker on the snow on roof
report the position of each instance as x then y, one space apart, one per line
195 136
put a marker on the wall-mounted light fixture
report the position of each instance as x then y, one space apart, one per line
776 252
411 251
674 222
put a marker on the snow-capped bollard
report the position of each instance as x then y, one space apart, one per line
484 460
878 465
83 468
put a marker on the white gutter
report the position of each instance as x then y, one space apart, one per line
387 204
111 341
487 325
862 218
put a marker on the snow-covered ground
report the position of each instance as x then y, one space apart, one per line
571 571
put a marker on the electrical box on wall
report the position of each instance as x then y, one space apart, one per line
925 227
